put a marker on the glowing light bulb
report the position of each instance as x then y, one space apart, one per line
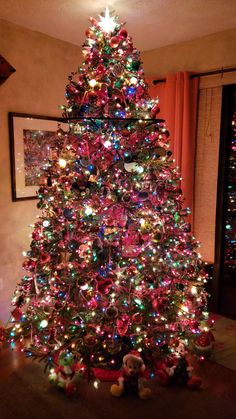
43 323
92 83
185 309
133 80
107 23
96 384
139 169
142 222
107 144
88 211
194 290
62 163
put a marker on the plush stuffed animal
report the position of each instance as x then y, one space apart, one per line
177 370
64 375
132 379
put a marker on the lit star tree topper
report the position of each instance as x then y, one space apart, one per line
107 22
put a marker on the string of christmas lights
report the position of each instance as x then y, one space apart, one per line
112 265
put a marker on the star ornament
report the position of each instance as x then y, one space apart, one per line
107 23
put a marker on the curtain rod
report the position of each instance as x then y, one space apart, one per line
206 73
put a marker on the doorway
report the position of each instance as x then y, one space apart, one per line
224 276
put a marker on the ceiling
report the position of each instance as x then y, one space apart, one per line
151 23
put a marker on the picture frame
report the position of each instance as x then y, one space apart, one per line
31 140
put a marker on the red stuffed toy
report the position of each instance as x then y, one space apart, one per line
132 379
177 370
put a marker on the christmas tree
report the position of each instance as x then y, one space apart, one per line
112 265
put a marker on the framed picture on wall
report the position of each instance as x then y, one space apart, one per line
32 141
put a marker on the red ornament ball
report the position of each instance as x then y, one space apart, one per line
45 257
29 264
93 304
123 33
17 314
93 21
89 33
101 69
114 42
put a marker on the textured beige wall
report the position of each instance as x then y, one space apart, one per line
37 87
206 53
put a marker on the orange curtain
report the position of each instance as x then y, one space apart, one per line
178 102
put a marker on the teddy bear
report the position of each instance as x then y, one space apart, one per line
177 370
131 379
65 373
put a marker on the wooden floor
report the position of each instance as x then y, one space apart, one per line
26 394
